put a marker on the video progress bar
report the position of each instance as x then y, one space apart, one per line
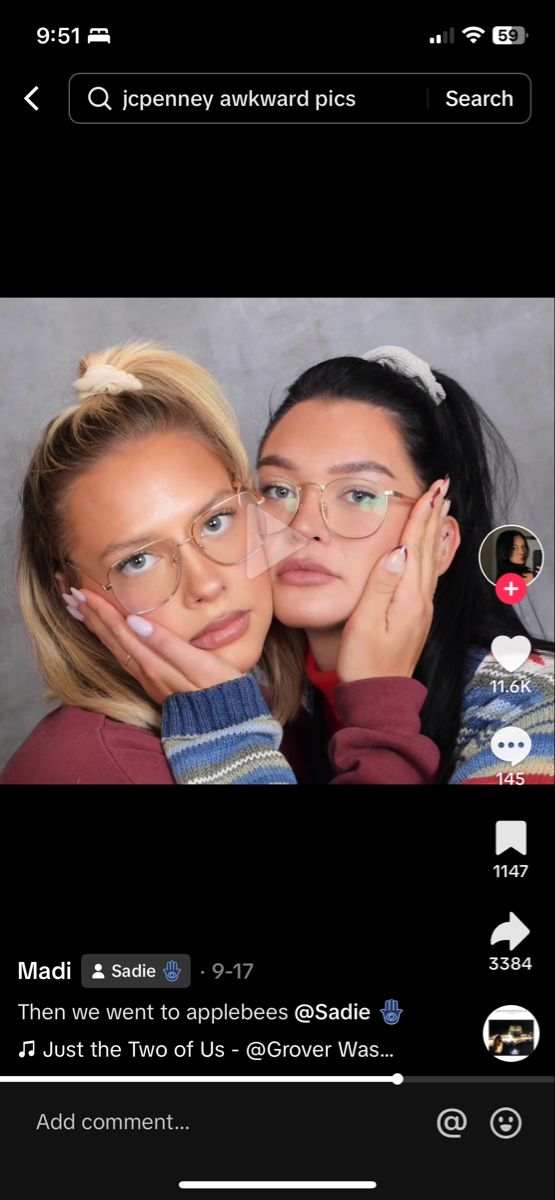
396 1079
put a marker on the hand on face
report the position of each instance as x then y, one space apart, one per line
387 631
162 663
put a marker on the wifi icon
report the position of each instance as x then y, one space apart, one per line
473 33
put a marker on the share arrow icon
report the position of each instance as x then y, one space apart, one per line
512 931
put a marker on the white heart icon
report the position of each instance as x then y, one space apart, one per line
511 652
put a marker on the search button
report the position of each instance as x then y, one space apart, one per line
99 103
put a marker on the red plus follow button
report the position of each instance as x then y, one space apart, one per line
510 588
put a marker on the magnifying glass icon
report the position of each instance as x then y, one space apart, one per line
99 103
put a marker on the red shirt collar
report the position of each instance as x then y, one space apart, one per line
326 683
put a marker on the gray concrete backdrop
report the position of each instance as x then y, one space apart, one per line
500 350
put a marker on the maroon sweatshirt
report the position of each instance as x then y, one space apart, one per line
380 742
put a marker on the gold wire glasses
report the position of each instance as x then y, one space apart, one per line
149 576
351 507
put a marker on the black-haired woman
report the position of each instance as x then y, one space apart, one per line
345 459
512 553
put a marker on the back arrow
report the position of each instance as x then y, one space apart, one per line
512 931
28 98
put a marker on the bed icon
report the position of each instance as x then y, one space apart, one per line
98 35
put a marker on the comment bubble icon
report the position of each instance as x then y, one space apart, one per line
511 744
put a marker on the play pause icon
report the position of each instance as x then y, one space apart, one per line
437 39
269 541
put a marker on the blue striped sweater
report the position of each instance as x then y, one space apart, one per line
223 734
226 734
486 709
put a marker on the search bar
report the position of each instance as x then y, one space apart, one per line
467 98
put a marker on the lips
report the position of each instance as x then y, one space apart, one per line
304 564
224 630
304 572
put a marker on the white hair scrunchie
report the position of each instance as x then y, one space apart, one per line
102 377
410 365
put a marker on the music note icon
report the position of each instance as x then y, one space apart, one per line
24 1051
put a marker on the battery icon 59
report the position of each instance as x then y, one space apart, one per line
509 35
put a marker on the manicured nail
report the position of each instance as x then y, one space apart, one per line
143 628
78 595
445 507
72 604
73 612
397 560
434 497
444 488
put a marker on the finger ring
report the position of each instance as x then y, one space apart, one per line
128 660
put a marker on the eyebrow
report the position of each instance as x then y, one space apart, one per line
275 460
141 539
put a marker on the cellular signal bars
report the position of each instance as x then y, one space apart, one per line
448 35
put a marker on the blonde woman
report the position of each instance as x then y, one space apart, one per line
149 453
147 612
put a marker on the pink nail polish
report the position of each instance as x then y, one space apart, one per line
143 628
78 595
397 560
74 613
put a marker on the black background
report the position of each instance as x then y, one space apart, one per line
337 210
351 896
345 901
352 902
